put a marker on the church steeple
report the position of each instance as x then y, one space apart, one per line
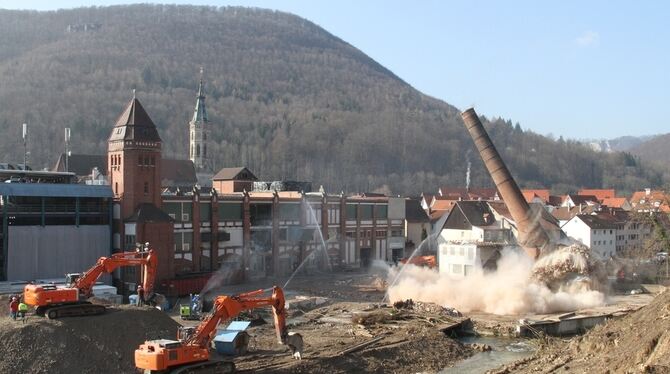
199 128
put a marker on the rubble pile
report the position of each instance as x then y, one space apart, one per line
93 344
427 308
636 343
567 264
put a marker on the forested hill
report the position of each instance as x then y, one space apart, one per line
285 98
654 150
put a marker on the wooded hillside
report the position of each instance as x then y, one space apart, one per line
285 98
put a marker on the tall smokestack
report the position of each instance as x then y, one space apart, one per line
531 235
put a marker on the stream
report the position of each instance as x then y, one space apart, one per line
505 351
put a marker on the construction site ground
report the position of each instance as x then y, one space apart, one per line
324 309
344 329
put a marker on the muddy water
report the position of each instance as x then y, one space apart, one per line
504 351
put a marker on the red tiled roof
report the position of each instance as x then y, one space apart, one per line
614 202
443 204
642 195
476 193
437 214
530 194
601 194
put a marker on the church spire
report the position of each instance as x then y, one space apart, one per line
200 113
199 128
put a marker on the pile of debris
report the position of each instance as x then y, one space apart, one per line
636 343
93 344
567 264
427 308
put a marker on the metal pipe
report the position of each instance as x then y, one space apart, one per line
531 235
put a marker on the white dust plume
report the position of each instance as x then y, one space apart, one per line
511 289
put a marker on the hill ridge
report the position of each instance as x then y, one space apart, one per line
285 97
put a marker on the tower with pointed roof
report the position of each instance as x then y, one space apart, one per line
198 130
134 159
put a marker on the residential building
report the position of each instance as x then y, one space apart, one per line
536 196
618 203
572 200
471 237
595 232
650 201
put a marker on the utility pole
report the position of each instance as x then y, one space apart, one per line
25 146
67 148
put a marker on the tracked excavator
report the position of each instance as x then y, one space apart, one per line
191 351
71 300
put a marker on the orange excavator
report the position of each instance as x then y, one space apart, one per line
190 352
70 301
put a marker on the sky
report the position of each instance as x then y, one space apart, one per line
577 69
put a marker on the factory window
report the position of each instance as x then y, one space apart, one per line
396 233
153 161
147 161
351 234
187 211
471 253
173 210
205 212
146 188
130 242
381 211
351 211
139 160
116 188
289 212
197 150
452 251
461 251
366 211
230 211
456 268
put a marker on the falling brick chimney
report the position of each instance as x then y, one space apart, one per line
531 235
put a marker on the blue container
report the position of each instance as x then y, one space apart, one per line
233 340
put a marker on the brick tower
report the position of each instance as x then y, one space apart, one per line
134 159
134 172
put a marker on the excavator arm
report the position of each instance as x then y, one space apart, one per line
227 307
192 352
146 259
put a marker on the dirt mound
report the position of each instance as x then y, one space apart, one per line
636 343
95 344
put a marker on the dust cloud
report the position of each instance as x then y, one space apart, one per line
512 289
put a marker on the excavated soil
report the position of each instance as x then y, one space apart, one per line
636 343
407 340
94 344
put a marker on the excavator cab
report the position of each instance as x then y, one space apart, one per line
71 278
184 333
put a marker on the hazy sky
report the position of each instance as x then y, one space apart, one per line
581 69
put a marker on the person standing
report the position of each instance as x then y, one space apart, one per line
23 309
140 295
13 307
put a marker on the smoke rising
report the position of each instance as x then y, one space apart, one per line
511 289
